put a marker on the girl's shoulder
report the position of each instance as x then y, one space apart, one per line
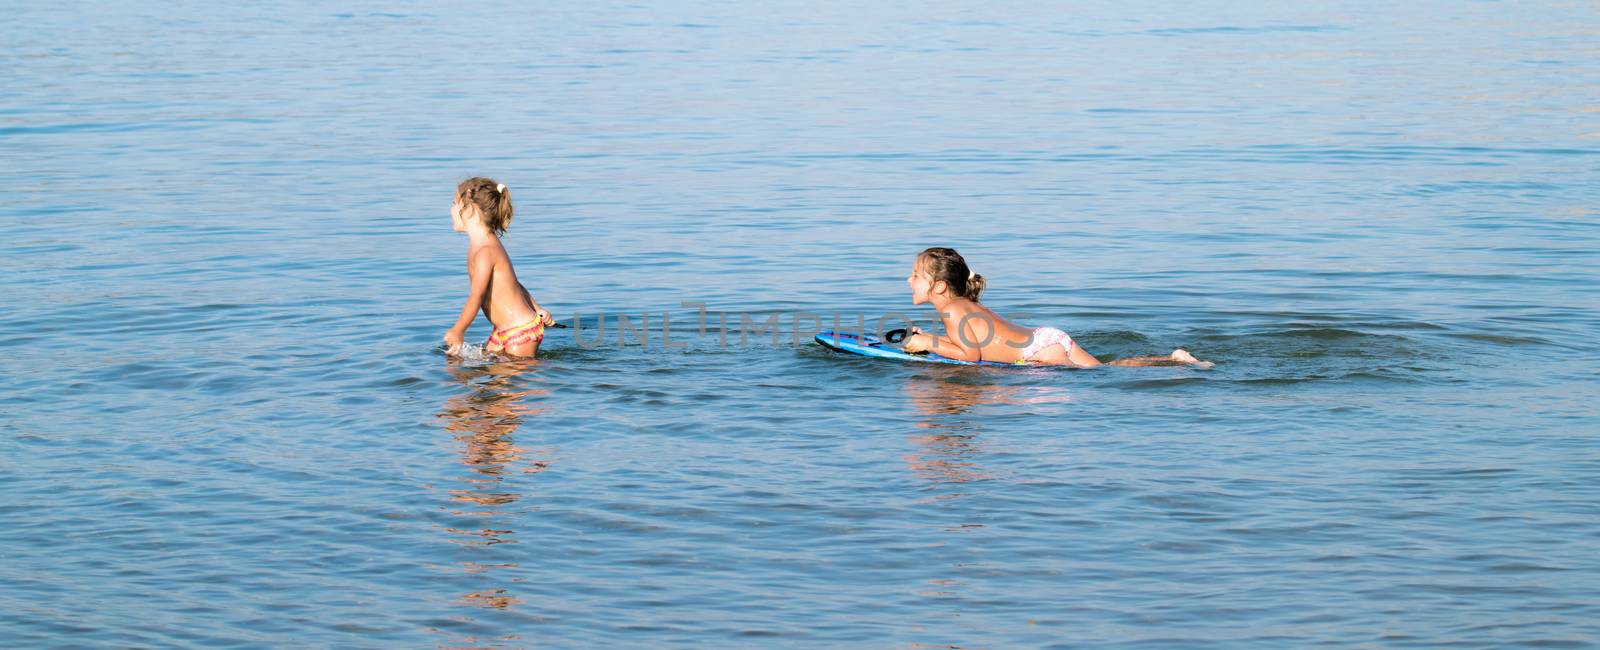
961 306
957 310
487 256
490 249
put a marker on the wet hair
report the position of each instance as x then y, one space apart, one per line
946 265
492 199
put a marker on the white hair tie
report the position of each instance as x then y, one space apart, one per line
971 274
501 188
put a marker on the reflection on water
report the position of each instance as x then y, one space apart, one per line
483 421
949 447
951 413
947 443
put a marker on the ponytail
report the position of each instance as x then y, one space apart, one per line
975 285
947 266
501 219
492 200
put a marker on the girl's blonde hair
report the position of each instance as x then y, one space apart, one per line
492 199
947 266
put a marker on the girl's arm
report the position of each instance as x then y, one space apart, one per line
954 349
543 315
921 341
478 271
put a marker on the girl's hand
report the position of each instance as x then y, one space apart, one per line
544 316
453 340
916 342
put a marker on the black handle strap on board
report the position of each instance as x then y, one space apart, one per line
896 336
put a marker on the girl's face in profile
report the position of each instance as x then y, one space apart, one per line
458 215
921 283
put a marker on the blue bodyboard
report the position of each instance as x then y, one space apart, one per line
868 345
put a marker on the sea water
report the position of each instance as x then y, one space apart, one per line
226 265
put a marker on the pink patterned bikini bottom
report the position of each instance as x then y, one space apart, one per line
1045 337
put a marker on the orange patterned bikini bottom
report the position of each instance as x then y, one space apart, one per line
529 332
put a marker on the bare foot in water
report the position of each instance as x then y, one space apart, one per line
1181 355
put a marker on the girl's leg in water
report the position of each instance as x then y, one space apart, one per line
1179 357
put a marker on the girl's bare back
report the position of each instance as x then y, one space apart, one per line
506 303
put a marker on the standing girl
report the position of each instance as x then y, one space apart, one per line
482 210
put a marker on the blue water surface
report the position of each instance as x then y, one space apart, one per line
226 263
